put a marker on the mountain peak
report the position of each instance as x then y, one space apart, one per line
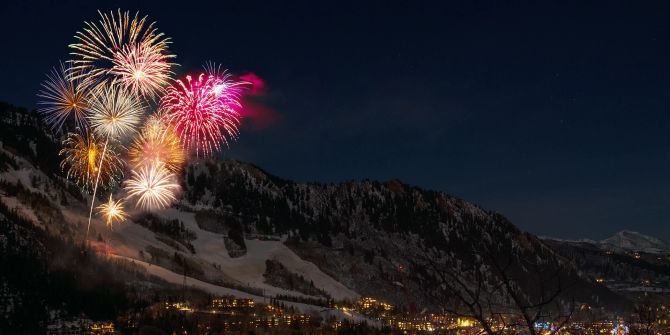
635 241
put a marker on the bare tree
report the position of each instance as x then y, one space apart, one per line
503 288
644 320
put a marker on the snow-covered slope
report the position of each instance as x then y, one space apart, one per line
179 279
634 241
128 239
249 268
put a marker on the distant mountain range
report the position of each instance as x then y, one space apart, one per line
634 241
626 241
631 264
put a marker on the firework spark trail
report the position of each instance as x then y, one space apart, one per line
203 112
62 98
95 188
98 44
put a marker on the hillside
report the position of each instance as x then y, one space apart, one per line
361 233
341 241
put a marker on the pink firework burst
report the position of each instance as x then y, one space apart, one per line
203 111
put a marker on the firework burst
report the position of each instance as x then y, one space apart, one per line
98 44
142 69
154 186
114 112
112 211
83 159
201 116
157 143
62 98
120 64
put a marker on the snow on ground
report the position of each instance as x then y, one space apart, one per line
177 279
25 172
127 239
634 241
21 209
249 268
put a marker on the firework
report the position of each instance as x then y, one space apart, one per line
112 211
120 65
82 157
157 143
99 43
114 112
225 87
202 113
154 186
142 69
62 98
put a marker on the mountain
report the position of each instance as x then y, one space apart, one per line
362 232
634 241
629 263
241 231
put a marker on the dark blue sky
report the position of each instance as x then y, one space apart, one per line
553 113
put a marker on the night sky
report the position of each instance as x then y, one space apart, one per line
555 115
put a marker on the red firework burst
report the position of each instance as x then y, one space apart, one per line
203 116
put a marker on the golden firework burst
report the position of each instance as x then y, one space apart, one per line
113 211
99 44
157 143
61 98
82 157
